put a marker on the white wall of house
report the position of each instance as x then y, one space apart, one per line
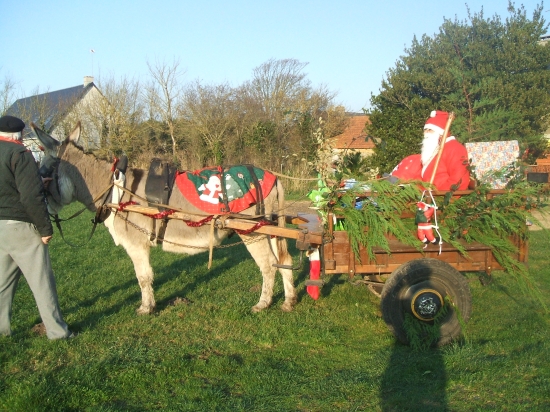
86 111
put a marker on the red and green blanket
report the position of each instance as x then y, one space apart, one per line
204 188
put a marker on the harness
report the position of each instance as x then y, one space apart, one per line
165 177
50 170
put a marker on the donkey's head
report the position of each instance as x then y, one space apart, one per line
67 183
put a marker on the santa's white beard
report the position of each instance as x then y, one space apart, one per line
430 144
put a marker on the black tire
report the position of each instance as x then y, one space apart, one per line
419 289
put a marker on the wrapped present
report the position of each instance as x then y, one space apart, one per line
493 161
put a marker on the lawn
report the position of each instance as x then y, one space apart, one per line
203 350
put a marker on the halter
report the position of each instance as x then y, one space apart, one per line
99 217
52 171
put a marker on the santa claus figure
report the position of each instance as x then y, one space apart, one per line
211 191
452 170
423 219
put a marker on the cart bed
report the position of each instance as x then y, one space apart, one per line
338 256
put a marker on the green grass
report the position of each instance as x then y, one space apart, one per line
210 353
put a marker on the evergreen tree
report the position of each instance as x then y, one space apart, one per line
493 74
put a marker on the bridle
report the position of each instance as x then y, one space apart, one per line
100 216
51 170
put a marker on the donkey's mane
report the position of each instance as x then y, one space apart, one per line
97 172
85 169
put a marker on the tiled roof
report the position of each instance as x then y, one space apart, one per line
53 104
354 137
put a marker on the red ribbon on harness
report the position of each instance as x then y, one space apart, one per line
253 228
123 205
199 223
162 215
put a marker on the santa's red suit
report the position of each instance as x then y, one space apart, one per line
410 168
452 169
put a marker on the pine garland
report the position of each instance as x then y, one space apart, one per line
480 216
378 215
495 220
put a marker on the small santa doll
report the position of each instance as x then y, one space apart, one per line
424 214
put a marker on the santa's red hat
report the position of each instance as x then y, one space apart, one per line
437 121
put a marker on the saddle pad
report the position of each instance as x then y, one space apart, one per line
491 157
203 188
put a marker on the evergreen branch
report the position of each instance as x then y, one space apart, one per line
373 212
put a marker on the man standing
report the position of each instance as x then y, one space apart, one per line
452 171
25 230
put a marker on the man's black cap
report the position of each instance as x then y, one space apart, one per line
10 124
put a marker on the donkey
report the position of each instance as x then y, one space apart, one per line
83 177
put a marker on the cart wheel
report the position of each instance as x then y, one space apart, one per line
419 289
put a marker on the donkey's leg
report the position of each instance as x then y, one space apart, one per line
265 258
279 247
139 253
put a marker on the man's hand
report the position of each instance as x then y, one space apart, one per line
46 239
46 181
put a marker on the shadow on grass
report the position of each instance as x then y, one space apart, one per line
196 266
67 390
414 381
230 257
93 317
333 281
167 271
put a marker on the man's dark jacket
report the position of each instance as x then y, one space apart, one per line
21 189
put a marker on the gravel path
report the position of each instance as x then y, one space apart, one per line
293 207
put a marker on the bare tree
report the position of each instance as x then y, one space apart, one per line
212 118
164 96
276 84
7 94
112 117
41 110
287 111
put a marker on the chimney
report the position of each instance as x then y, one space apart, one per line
88 80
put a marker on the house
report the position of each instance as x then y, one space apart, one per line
57 113
354 138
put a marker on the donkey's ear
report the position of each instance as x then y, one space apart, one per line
49 142
75 134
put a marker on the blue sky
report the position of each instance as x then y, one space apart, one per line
348 45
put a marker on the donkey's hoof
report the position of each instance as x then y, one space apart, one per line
259 307
145 310
287 307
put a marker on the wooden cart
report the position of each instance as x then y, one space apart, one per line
426 285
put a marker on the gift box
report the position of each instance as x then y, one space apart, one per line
493 161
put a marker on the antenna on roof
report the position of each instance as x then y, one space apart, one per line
92 51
